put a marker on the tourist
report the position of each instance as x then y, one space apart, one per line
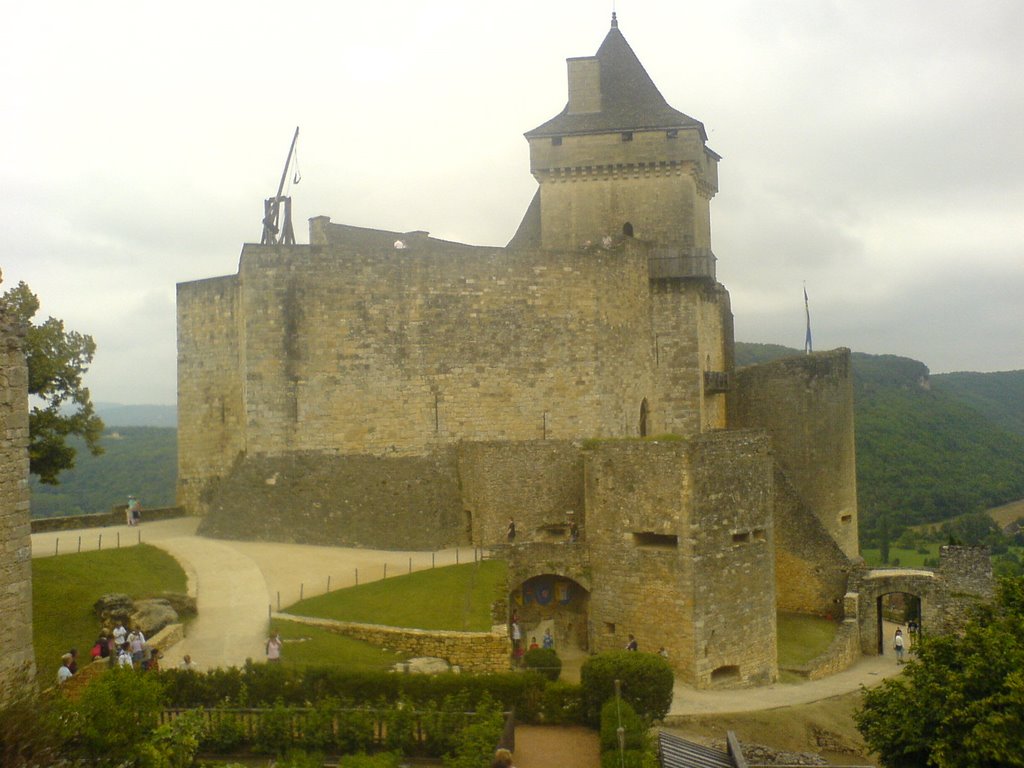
187 664
137 645
134 511
663 652
502 759
120 635
517 641
897 644
548 641
124 659
274 647
64 673
533 643
510 531
632 644
73 662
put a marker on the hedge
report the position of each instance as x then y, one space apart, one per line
646 679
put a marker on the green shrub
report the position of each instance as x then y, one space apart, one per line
116 713
174 744
562 704
615 712
646 680
274 731
478 740
223 733
545 661
382 760
33 729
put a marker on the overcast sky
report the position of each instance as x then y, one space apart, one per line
872 150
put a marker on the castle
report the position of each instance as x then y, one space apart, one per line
393 390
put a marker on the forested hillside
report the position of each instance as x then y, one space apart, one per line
999 396
924 454
137 460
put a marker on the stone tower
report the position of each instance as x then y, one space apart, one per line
618 161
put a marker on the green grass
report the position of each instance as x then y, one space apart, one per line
308 646
456 597
802 638
908 558
64 589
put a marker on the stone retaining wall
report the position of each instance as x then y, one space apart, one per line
471 651
116 516
842 653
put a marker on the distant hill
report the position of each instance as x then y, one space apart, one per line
139 460
999 396
926 452
117 415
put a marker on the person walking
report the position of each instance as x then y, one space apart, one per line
274 647
897 644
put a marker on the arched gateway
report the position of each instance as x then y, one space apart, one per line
554 602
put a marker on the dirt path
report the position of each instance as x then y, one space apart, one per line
539 746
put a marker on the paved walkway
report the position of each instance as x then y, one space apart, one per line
237 584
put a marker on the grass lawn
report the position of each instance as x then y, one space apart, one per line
908 558
802 637
457 597
64 589
308 646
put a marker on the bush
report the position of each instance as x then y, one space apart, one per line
31 729
545 661
615 712
478 740
646 680
117 712
224 733
562 704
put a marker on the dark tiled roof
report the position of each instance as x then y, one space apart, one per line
630 100
680 753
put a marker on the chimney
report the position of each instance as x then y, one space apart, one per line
584 85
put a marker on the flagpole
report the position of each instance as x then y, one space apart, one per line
808 348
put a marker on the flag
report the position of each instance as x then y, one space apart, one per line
807 311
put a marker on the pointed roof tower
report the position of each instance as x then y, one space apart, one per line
619 162
612 91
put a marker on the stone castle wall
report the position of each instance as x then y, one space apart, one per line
679 534
16 655
393 502
539 484
353 347
211 419
805 404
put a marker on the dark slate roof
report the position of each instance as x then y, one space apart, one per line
630 100
680 753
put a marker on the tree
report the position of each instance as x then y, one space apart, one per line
960 703
57 360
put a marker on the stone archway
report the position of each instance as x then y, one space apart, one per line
555 602
920 589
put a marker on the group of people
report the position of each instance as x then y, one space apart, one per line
125 648
515 632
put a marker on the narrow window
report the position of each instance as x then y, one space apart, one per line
759 534
741 538
846 519
627 229
672 133
609 628
627 135
650 540
643 418
556 141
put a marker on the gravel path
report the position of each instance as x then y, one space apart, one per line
539 746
